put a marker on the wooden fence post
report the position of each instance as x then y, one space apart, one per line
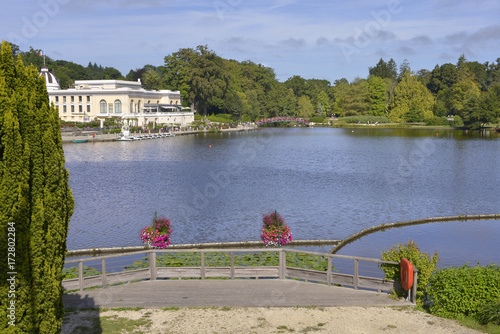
202 264
80 274
152 265
282 263
356 272
329 272
414 287
232 265
104 280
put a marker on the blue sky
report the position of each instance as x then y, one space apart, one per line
314 39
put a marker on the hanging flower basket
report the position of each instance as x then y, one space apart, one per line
274 230
158 234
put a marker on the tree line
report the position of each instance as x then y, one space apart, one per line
468 90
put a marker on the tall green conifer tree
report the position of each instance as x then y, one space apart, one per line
35 201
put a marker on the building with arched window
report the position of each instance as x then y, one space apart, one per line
92 100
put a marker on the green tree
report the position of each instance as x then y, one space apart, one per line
481 110
251 105
306 108
298 85
410 96
280 101
378 96
403 68
323 105
384 70
233 103
442 77
201 74
424 76
111 73
35 199
134 75
339 90
463 97
152 80
177 73
356 99
493 72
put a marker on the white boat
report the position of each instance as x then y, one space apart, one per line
123 138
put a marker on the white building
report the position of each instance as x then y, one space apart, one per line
92 100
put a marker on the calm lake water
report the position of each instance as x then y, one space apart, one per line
327 183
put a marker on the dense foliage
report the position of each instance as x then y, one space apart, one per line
248 91
424 263
458 291
489 313
35 200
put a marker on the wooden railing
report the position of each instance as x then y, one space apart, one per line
281 271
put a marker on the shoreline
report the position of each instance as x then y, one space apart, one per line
91 136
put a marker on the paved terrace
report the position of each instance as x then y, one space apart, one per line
231 293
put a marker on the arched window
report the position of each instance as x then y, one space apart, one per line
139 107
104 106
118 106
131 106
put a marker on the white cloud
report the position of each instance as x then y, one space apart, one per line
287 35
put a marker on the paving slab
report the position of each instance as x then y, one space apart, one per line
231 293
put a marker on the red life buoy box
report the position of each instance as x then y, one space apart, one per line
406 274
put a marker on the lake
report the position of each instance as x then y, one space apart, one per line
327 183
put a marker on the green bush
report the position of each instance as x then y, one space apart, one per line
435 120
462 291
317 119
221 118
489 313
424 263
457 121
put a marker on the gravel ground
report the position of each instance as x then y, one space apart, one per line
370 320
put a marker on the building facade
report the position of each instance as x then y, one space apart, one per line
91 100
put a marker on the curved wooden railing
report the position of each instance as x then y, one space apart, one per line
281 271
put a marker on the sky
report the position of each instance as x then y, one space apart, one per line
313 39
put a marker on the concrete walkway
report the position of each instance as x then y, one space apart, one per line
231 293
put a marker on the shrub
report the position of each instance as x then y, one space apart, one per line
457 121
461 291
221 118
435 120
317 119
424 263
489 312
